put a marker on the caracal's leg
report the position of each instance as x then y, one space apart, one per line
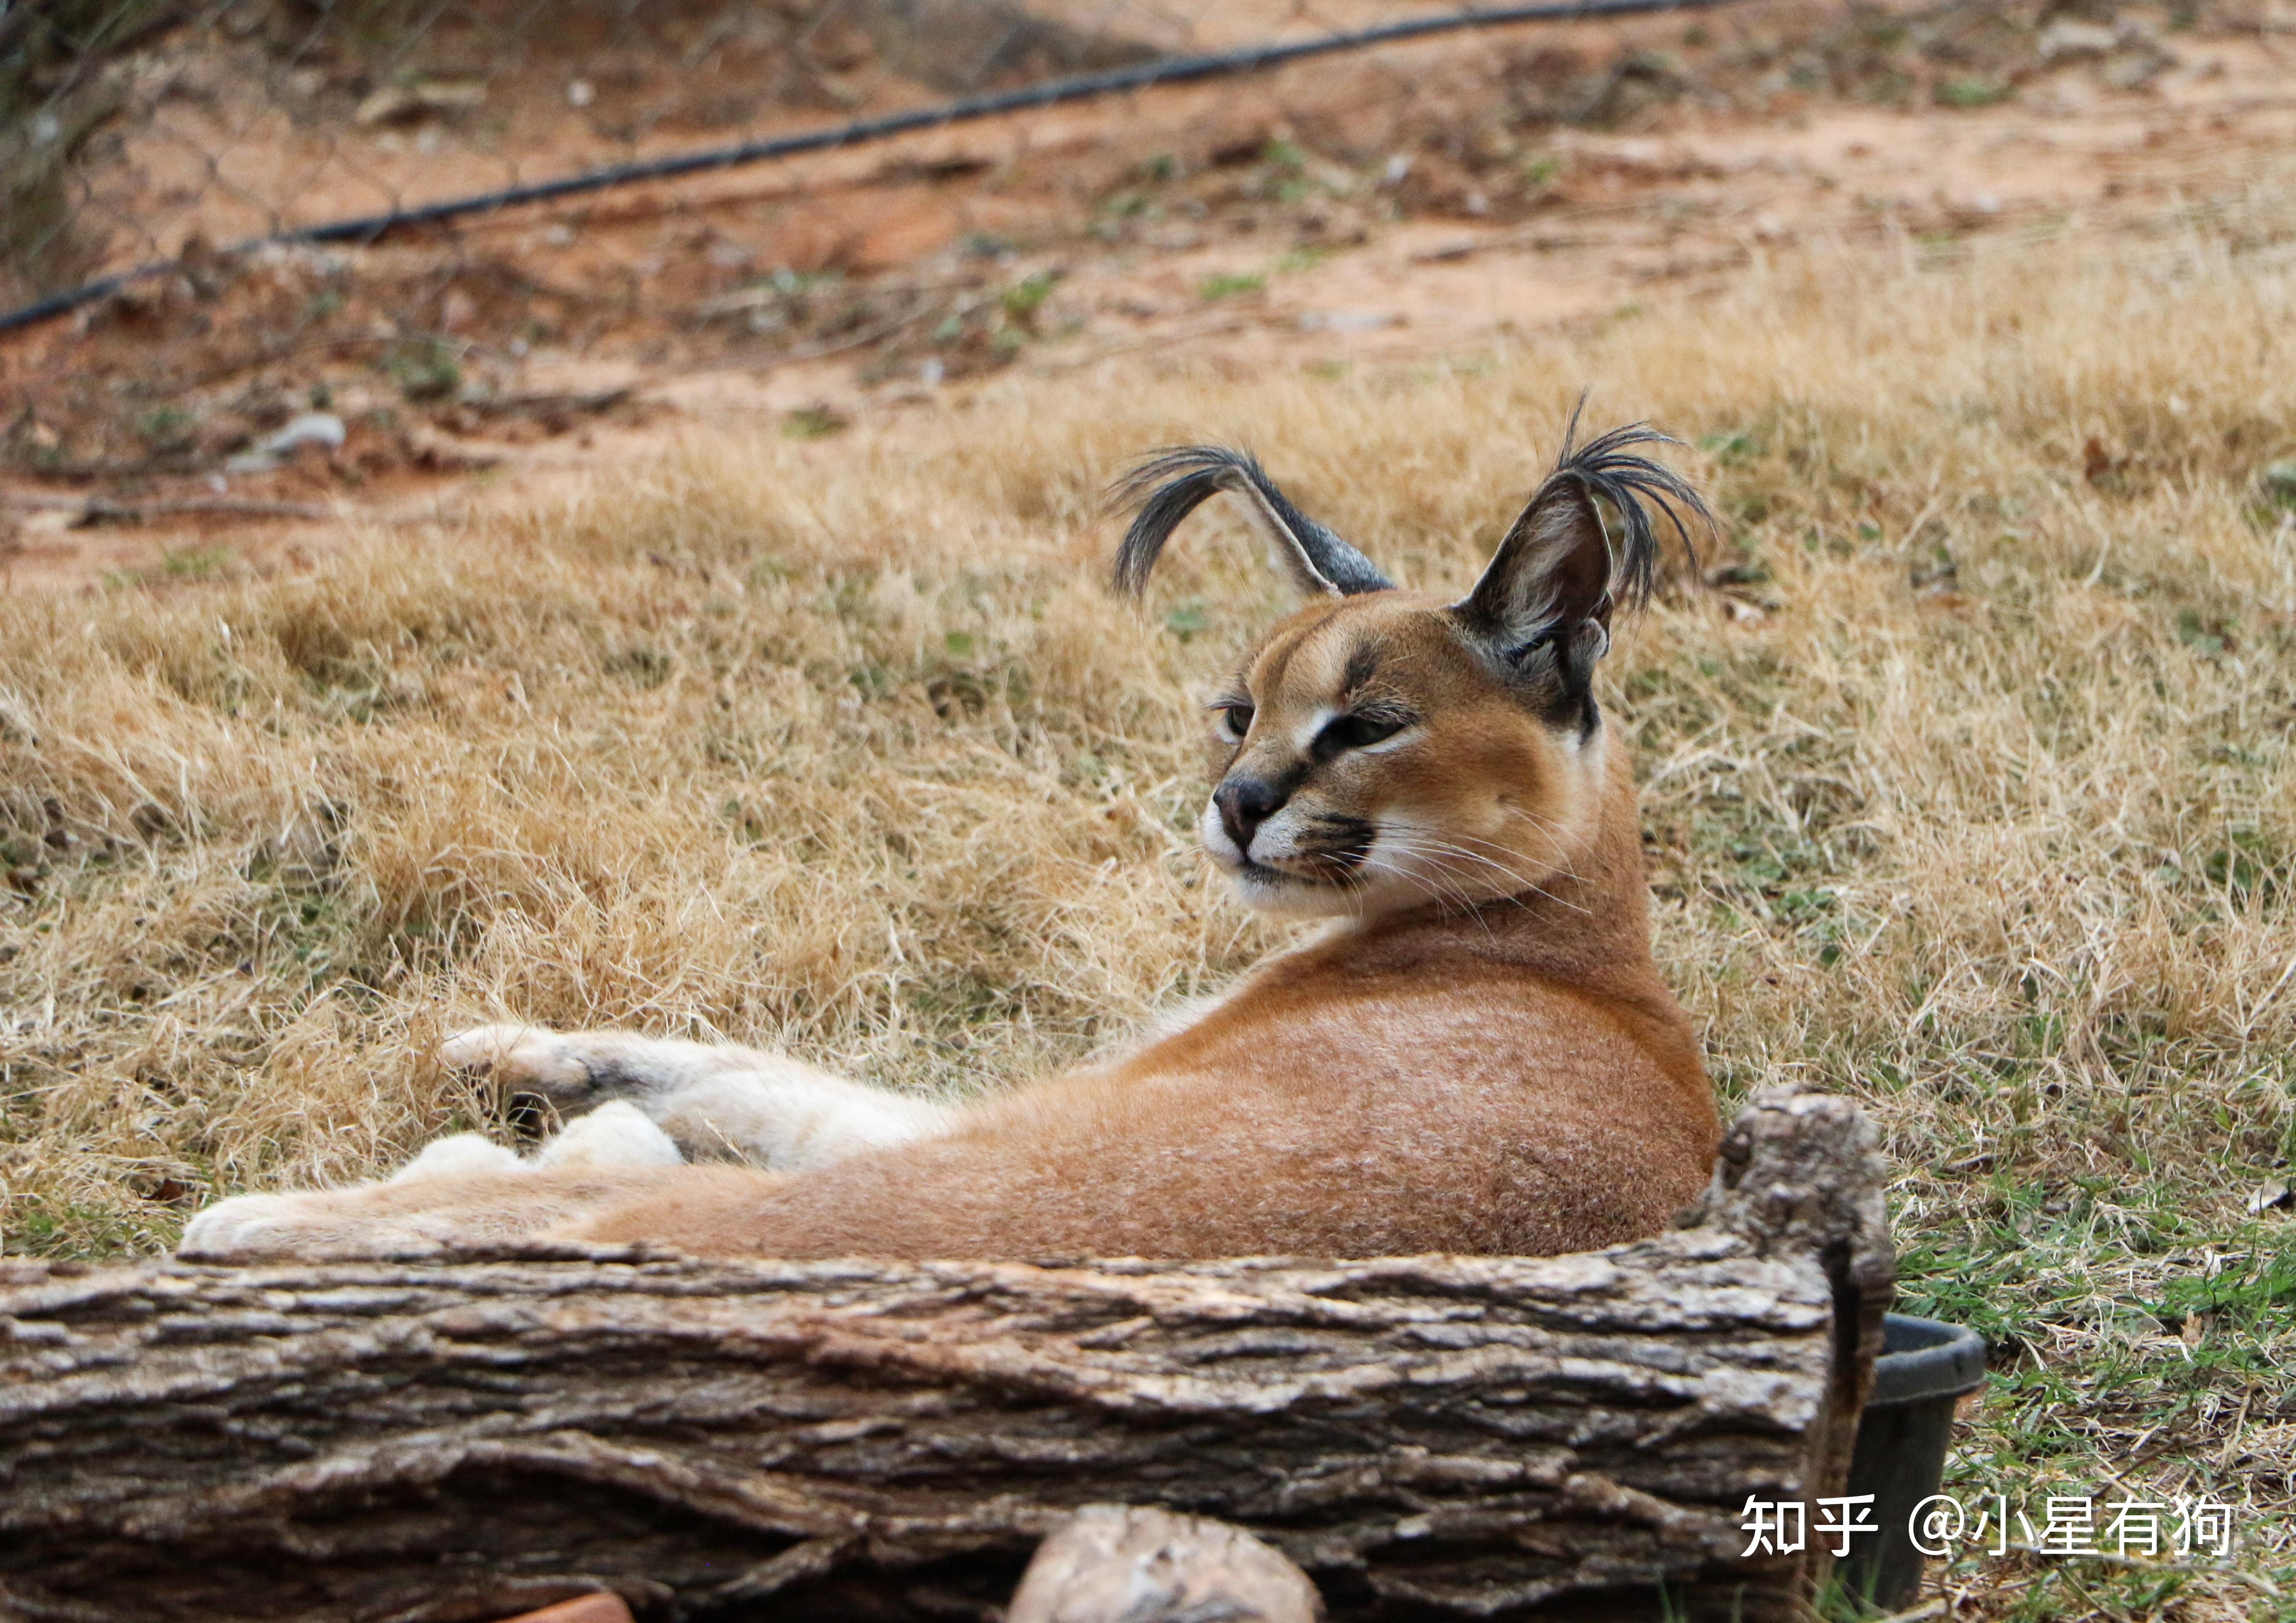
639 1105
766 1109
462 1191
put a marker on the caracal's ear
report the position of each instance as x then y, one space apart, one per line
1559 573
1172 484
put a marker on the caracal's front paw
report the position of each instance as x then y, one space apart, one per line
523 1059
322 1224
617 1133
245 1225
459 1191
463 1155
579 1070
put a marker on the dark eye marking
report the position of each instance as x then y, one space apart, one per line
1361 729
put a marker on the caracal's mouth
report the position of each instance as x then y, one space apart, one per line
1256 873
1315 870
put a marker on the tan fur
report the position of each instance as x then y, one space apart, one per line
1477 1054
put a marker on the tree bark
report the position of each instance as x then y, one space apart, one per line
430 1442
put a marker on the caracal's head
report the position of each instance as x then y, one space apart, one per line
1384 748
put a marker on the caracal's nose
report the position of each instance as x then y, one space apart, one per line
1244 804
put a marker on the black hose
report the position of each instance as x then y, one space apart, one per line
1169 71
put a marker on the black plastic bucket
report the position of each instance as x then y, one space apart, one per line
1925 1366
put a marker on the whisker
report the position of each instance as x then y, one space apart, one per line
1441 887
1422 845
1567 871
1429 883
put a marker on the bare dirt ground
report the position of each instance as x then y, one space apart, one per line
1420 201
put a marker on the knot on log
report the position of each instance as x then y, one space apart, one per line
436 1442
1802 1173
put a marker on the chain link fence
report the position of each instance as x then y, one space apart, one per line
398 226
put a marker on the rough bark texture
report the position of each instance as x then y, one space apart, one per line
1427 1436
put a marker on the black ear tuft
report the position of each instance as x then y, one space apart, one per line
1171 484
1558 570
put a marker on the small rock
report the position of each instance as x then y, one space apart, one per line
2135 69
2271 1195
585 1609
426 98
1115 1564
2070 39
307 429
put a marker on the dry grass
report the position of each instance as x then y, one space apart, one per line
1979 805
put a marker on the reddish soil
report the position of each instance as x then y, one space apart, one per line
1364 208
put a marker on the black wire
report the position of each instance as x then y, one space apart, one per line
1169 71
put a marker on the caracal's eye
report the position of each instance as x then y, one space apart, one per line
1355 732
1235 720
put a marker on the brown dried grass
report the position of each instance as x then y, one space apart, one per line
1978 803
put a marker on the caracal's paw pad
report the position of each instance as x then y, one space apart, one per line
238 1226
395 1217
617 1133
524 1059
310 1225
464 1155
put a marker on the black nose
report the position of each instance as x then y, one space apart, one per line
1244 804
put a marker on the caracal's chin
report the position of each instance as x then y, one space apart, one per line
1281 895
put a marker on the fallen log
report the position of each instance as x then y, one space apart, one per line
1426 1437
